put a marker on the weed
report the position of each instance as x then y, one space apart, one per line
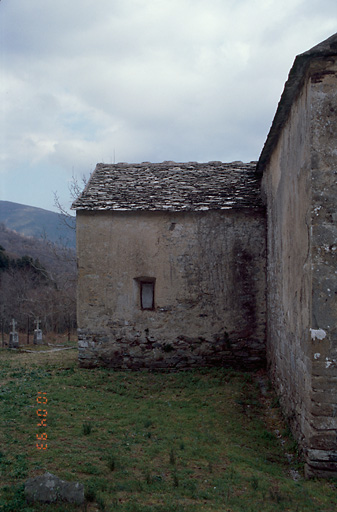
268 436
86 428
232 473
112 462
228 493
275 494
100 502
172 457
148 478
254 482
175 479
90 469
114 502
90 492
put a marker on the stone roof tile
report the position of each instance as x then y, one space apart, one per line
171 186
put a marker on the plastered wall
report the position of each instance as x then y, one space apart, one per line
209 272
322 444
300 187
287 186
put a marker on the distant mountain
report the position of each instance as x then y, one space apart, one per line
38 223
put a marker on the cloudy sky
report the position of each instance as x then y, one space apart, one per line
87 81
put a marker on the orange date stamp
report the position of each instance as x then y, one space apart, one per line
42 414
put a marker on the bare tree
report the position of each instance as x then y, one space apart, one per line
75 188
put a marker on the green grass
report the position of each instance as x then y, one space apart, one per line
149 442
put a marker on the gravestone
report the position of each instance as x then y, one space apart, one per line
13 336
38 338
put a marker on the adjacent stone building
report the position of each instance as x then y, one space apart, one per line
193 264
299 168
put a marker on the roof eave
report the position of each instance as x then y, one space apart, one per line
292 88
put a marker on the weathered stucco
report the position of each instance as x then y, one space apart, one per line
322 444
209 271
286 183
300 186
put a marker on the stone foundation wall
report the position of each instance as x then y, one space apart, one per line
209 274
137 352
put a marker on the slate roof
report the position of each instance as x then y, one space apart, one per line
171 186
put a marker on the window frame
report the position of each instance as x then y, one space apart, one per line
142 281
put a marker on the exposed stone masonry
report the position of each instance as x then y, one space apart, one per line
143 351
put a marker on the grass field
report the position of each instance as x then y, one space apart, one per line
204 440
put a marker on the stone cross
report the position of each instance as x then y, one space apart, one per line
13 336
14 323
38 338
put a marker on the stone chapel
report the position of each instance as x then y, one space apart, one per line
189 264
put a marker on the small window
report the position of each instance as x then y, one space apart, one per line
147 295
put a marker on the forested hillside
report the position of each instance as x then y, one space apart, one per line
37 279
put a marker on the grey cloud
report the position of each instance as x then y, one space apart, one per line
146 79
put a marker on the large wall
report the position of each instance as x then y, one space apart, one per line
286 183
209 271
322 453
300 186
